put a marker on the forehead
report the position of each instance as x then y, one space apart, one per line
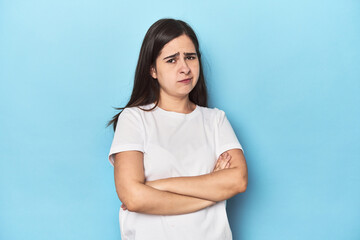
180 44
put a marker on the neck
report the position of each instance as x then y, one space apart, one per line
183 105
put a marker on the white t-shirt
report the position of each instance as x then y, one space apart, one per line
175 144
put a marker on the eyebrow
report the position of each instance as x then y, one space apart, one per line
177 54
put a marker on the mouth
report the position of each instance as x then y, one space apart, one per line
187 80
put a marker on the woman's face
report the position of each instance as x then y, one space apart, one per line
177 67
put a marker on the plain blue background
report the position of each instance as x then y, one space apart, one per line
287 74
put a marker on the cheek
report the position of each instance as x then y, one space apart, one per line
166 79
195 64
196 68
166 76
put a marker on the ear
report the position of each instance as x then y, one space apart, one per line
153 72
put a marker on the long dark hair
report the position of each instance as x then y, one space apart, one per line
146 89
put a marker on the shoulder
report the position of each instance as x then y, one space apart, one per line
135 115
131 117
138 110
209 110
212 113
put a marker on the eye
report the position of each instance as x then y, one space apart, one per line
191 57
171 60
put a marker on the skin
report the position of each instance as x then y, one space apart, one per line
171 196
174 95
180 203
216 186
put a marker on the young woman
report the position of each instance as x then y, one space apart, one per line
176 161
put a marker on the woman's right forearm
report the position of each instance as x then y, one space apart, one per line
146 199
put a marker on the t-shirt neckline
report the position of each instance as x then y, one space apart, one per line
177 114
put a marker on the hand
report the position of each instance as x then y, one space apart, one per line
223 162
123 207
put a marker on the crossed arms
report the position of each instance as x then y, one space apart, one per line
178 195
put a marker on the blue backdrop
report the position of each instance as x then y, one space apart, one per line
287 74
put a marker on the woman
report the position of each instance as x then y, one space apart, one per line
175 160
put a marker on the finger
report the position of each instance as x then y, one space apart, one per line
227 160
218 162
227 165
215 169
221 157
223 163
216 165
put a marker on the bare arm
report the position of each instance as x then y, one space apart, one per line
215 186
138 197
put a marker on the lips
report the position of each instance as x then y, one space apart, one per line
186 80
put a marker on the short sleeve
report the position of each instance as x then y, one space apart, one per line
128 135
225 138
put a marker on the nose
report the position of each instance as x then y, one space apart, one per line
184 68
